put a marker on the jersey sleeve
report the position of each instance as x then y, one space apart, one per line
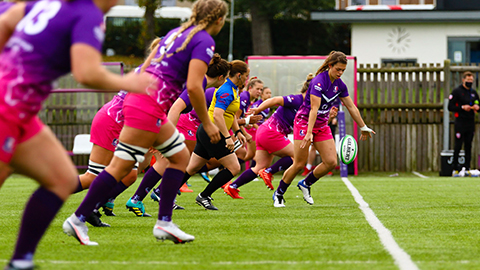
224 96
318 85
292 101
89 29
204 48
343 90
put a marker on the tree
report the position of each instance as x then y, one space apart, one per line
263 11
148 31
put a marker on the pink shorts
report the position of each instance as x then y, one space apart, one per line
320 133
142 112
105 130
253 132
14 133
187 127
270 140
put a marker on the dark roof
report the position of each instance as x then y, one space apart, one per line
396 16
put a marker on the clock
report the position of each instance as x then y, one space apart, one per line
398 40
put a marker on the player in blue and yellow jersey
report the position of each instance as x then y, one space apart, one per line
225 104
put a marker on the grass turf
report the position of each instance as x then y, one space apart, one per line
434 220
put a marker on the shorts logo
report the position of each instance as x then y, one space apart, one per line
8 144
190 133
302 132
115 142
159 122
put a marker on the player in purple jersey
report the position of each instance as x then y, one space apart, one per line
272 140
215 76
181 58
311 124
28 68
253 91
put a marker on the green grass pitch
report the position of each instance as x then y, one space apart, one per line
435 220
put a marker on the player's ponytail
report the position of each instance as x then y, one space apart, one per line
306 83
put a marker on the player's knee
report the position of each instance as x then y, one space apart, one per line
330 164
234 169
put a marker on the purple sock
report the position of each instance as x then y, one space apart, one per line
150 179
282 187
98 192
281 165
79 187
310 179
203 169
117 190
172 180
246 177
39 212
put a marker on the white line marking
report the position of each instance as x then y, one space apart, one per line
401 258
419 174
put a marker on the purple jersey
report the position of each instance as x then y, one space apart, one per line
322 87
184 96
244 102
38 51
263 113
4 6
208 96
283 117
173 68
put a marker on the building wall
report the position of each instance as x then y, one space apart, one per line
427 43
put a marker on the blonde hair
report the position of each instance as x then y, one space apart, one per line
333 58
204 13
306 83
252 83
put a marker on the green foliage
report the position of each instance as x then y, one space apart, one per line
125 36
292 36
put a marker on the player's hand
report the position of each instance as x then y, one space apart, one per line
212 131
229 144
242 138
307 140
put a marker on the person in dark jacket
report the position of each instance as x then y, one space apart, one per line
464 103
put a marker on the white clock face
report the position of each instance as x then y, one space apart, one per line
398 40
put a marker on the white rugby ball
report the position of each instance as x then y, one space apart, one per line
348 149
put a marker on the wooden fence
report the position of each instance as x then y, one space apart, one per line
404 105
70 109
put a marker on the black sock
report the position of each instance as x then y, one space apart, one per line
219 180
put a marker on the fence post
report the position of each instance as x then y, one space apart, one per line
446 114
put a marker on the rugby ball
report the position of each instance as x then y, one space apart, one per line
347 149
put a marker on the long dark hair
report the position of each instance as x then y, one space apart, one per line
333 58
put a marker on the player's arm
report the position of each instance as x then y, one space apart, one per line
196 73
454 103
8 22
87 69
355 114
274 101
174 113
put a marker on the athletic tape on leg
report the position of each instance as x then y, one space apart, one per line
95 168
173 145
127 151
237 145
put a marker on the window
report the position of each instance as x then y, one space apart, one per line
358 2
389 2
